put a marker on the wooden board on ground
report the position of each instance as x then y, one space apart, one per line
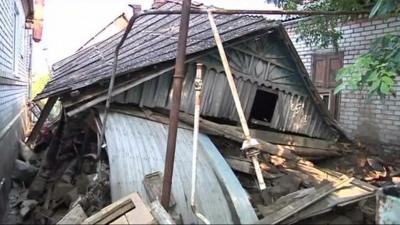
153 183
302 203
75 216
131 208
341 197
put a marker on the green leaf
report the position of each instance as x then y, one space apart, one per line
373 76
385 89
388 81
340 87
374 86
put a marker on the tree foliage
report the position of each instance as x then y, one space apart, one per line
375 70
39 82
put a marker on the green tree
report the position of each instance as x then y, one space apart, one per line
39 82
376 70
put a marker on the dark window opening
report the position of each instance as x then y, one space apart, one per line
263 106
325 100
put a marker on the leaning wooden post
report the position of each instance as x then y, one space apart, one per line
42 118
249 144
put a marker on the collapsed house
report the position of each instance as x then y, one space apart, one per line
279 101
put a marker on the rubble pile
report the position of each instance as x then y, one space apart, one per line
289 182
59 173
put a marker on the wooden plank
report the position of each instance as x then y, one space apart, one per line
268 60
141 214
293 140
312 152
112 212
88 94
341 197
42 119
153 184
160 214
109 216
302 203
233 134
116 91
120 220
225 131
246 166
284 201
75 216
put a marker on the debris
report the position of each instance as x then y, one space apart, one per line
37 187
246 166
75 216
153 184
27 206
302 203
160 214
61 190
388 205
131 208
24 172
341 220
25 152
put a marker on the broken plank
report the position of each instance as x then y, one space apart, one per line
302 203
116 91
111 212
160 214
213 128
235 135
74 216
293 140
246 166
140 214
153 184
284 201
311 152
89 94
42 119
341 197
120 220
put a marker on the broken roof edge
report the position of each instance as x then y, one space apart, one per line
326 115
246 37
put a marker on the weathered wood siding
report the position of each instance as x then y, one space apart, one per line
14 78
261 63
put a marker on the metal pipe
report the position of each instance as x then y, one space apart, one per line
198 85
257 12
110 89
249 144
176 102
102 30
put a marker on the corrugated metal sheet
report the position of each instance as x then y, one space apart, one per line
153 39
136 147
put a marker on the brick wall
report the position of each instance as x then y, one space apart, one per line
374 121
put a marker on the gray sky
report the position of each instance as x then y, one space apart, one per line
68 24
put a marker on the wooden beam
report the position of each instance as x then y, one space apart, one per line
311 152
96 91
272 61
213 128
43 116
293 140
298 205
116 91
160 214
